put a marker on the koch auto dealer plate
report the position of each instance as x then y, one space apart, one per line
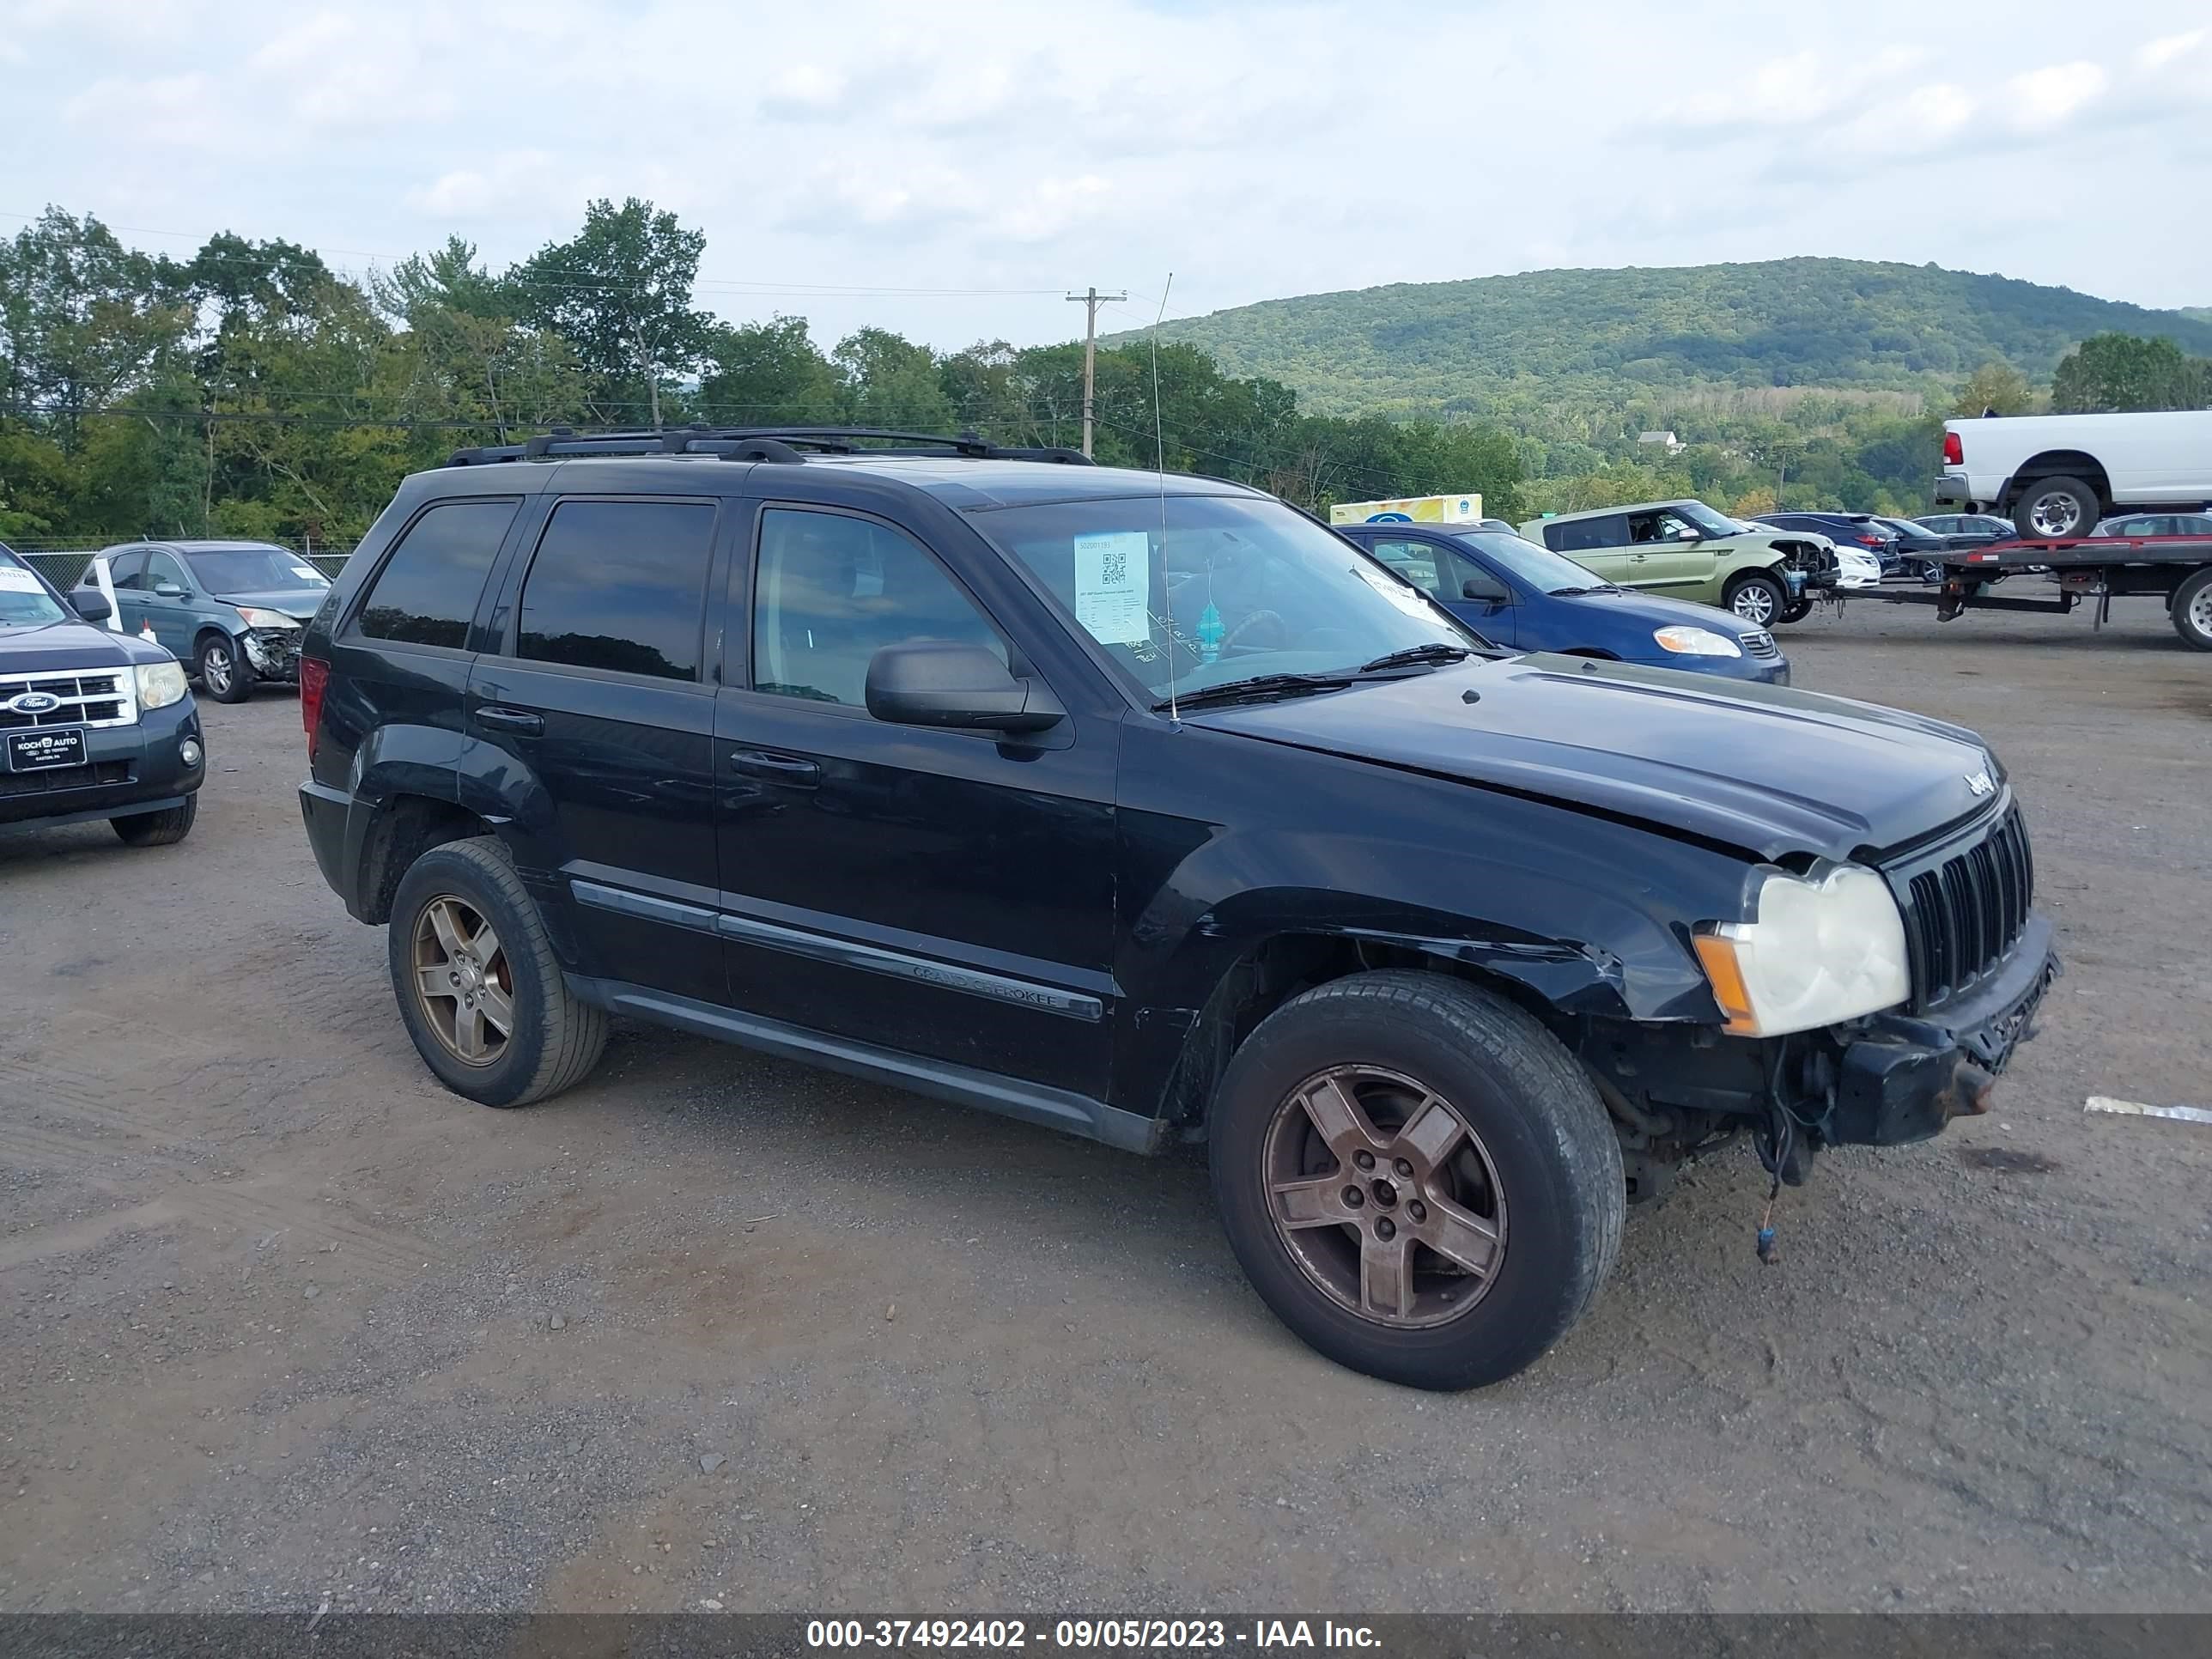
35 750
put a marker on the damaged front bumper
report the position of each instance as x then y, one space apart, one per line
1904 1076
273 652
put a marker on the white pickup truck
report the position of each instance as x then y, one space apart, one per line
2056 476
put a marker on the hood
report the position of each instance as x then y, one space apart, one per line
1769 770
300 602
72 645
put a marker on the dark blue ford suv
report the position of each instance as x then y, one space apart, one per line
1147 808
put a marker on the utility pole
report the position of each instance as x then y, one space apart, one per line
1090 300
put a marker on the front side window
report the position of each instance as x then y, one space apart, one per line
1199 590
620 585
427 590
830 590
1539 567
162 568
1415 561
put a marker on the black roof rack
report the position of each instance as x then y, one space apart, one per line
786 444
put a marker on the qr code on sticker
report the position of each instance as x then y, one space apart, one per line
1114 568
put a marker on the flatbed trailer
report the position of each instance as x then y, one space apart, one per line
2178 569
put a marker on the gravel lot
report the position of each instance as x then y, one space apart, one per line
284 1322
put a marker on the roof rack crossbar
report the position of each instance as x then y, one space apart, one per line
756 443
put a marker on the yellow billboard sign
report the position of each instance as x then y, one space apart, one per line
1412 509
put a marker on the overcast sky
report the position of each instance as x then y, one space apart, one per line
949 171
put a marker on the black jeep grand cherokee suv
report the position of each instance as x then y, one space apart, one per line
1150 810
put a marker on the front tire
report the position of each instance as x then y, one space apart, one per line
163 829
1756 598
2192 610
2055 510
479 986
223 670
1417 1177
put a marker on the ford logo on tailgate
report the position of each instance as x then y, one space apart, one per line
34 702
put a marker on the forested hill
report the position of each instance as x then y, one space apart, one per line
1629 334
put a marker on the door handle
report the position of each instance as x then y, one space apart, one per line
520 722
783 768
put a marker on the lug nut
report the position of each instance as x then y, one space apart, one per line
1417 1210
1353 1198
1405 1166
1365 1160
1386 1228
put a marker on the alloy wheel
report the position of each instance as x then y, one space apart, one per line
462 981
1385 1197
2055 517
1753 604
216 669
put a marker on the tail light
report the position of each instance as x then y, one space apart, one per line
1869 541
1954 452
314 678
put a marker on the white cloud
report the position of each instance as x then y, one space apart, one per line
2046 97
2167 49
1255 148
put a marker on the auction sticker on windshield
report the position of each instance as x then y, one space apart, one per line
1113 586
13 579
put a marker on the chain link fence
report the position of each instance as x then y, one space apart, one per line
65 566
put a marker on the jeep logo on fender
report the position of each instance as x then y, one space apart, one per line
34 702
1978 784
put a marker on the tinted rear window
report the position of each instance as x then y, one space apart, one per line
621 586
1579 533
427 590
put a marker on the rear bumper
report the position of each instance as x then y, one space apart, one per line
331 818
1907 1075
1952 489
127 769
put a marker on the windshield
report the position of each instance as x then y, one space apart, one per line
254 570
1235 587
24 601
1706 519
1540 567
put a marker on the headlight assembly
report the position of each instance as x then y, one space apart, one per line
160 684
255 618
1688 641
1826 947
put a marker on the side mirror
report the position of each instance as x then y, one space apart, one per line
167 591
1475 588
1688 532
943 685
91 604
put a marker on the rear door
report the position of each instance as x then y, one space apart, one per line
126 571
1599 544
932 892
594 681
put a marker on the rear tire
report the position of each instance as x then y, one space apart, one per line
2192 610
500 958
1523 1149
163 829
1756 598
2055 510
224 673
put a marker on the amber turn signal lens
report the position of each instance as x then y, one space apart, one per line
1717 955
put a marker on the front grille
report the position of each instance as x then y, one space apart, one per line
64 777
1758 642
85 696
1963 914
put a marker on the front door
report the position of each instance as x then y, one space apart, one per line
165 601
596 686
1666 552
931 892
1462 587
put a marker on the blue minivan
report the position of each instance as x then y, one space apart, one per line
1527 597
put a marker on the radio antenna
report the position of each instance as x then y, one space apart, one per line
1160 467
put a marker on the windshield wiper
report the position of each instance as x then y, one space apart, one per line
1582 593
1434 651
1255 687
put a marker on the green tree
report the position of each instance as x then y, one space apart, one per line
762 374
886 381
1997 387
619 292
2125 372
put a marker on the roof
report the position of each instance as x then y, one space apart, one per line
1625 507
979 485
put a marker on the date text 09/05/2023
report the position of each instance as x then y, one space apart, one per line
1080 1633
